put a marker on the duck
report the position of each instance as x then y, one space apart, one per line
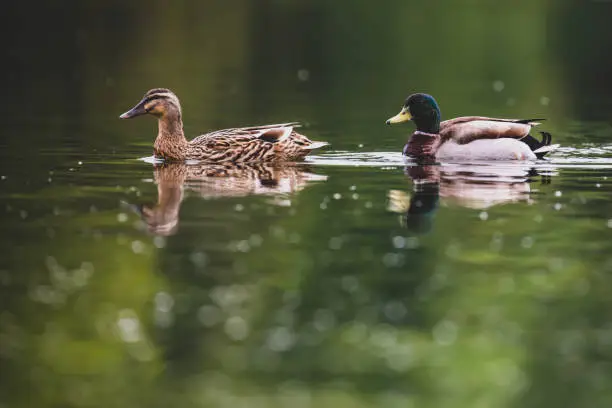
468 137
268 143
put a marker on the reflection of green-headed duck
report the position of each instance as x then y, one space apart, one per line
250 144
468 137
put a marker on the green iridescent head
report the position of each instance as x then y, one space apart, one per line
423 110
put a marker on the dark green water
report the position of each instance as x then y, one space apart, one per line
351 280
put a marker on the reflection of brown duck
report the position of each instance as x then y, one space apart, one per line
217 181
477 187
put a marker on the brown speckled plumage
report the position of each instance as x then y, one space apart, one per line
268 143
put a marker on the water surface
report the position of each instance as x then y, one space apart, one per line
356 278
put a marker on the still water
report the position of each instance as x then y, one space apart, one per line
354 279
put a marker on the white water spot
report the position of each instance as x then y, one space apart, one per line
159 242
236 328
498 85
199 259
558 206
545 101
138 247
243 246
356 333
355 196
163 319
209 315
294 238
392 259
335 243
483 215
445 333
303 75
506 284
122 217
129 326
400 359
558 193
453 250
337 196
527 242
350 283
399 242
280 339
384 337
239 207
164 302
255 240
610 223
556 264
353 188
360 145
412 242
278 232
395 310
80 163
324 319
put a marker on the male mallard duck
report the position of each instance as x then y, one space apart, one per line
468 137
258 143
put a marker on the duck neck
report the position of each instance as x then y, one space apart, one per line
170 142
429 123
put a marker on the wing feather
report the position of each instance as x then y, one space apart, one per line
469 128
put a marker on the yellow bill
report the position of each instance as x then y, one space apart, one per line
403 116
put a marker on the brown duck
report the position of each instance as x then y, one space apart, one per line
269 143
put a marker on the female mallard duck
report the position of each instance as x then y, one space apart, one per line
468 137
250 144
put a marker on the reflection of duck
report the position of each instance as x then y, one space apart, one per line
216 181
250 144
477 187
470 137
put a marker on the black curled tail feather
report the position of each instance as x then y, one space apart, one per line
535 144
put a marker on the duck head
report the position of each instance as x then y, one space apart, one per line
159 102
423 110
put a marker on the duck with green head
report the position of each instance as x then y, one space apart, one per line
468 137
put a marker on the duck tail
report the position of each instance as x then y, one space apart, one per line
315 145
532 122
540 147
